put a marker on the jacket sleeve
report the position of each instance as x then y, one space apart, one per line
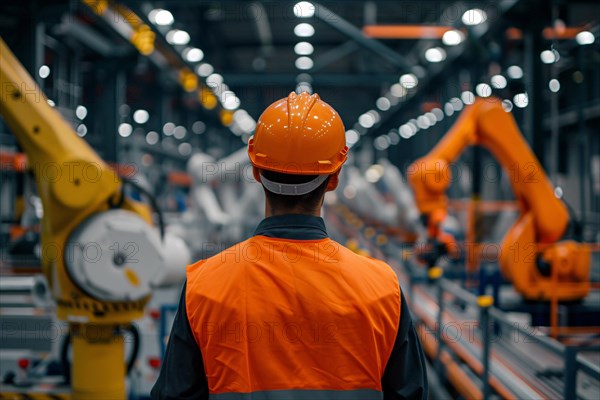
405 375
182 374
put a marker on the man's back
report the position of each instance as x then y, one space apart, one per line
275 313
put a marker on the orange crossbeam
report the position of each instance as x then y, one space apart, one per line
405 31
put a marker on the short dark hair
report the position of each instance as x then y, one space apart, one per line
306 202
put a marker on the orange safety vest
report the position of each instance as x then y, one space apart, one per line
293 319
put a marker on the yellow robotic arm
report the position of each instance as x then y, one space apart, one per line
534 239
100 253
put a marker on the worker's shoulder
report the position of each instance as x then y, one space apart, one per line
365 262
234 253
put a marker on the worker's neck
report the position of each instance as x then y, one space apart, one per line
270 212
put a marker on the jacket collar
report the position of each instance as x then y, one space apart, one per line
292 226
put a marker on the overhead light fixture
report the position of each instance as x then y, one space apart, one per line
549 56
161 17
383 103
409 81
303 49
351 137
168 128
406 131
585 37
366 120
44 71
304 63
515 72
467 97
304 30
521 100
483 90
214 80
423 122
193 54
81 112
453 37
205 70
498 82
304 9
456 103
152 137
179 132
507 105
230 101
554 85
125 129
177 36
82 130
435 54
439 114
448 109
397 90
185 149
431 117
381 143
141 116
474 16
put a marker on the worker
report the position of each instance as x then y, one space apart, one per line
289 313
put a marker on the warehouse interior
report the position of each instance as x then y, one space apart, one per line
473 171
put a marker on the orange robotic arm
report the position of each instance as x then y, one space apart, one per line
543 220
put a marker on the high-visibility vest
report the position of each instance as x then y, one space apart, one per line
293 319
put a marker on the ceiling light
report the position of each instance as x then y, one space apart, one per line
474 16
44 71
585 37
383 103
366 120
483 90
141 116
467 97
554 85
303 49
409 81
193 54
304 30
214 80
304 9
548 57
230 100
304 63
515 72
453 37
125 130
432 118
205 70
381 143
152 137
507 105
448 109
406 131
397 90
456 103
185 149
351 137
521 100
179 132
498 82
439 114
82 130
423 122
168 128
161 17
177 36
435 55
81 112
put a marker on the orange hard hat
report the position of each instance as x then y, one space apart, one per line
300 134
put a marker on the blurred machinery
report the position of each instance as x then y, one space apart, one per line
100 252
539 254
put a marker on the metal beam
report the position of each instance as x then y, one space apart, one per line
346 28
287 79
333 55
